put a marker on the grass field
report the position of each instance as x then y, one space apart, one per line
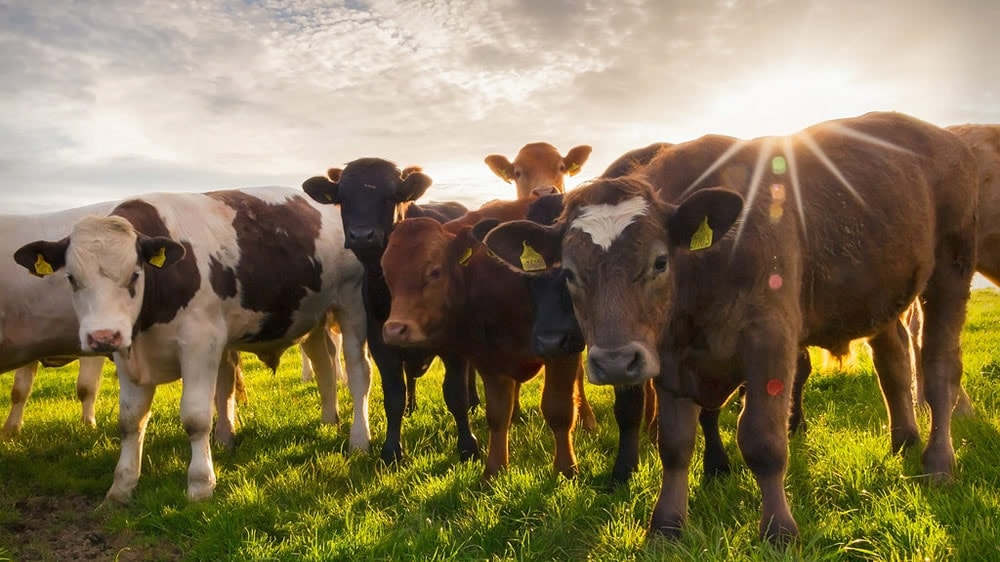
291 490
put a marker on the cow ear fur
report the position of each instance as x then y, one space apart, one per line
413 185
500 166
483 227
576 158
160 251
702 219
322 189
42 258
525 246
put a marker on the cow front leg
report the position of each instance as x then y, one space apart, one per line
24 378
588 421
390 369
676 436
629 412
359 375
199 373
456 397
500 394
317 347
134 401
715 460
559 408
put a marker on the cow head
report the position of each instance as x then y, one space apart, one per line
372 194
616 241
105 261
537 165
422 266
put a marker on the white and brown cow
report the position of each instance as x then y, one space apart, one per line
173 282
813 239
37 320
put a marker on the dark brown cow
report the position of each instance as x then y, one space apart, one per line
448 293
812 239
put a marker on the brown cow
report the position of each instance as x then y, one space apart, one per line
539 165
448 293
813 239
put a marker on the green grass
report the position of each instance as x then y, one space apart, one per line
291 490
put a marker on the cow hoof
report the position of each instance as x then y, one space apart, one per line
118 496
468 449
391 454
780 535
360 440
569 472
200 492
670 530
327 418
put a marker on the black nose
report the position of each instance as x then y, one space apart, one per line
361 235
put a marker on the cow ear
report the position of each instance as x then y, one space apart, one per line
576 158
500 166
483 227
525 246
704 218
42 258
413 185
322 189
160 251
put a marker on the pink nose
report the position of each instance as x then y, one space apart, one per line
104 340
395 332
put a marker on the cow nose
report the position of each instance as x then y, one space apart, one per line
395 332
550 343
104 340
544 190
621 365
365 235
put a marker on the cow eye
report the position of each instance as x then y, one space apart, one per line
132 280
72 282
660 264
434 274
569 275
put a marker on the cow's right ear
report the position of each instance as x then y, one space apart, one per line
160 251
42 257
413 184
500 166
525 246
322 189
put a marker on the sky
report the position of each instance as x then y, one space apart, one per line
107 99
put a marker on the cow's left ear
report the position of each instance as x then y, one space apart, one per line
42 258
576 158
525 246
500 166
160 251
413 184
322 189
704 218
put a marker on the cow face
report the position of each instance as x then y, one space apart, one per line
104 260
538 165
371 193
615 241
421 266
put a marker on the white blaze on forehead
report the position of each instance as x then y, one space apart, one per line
605 223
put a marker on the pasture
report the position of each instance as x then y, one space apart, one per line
291 490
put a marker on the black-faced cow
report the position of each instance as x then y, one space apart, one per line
372 195
448 293
812 239
174 283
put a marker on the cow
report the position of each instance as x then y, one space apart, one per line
174 284
815 239
537 168
448 293
372 195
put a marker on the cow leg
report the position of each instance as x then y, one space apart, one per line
390 369
411 393
762 433
629 404
88 385
676 446
914 318
24 378
499 409
199 373
456 397
359 375
587 419
715 460
803 368
559 408
225 400
317 347
134 401
307 368
473 391
891 360
650 421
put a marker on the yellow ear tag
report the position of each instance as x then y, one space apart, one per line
702 237
466 257
530 259
574 168
42 267
160 257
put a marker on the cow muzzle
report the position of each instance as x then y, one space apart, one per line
104 341
557 342
631 363
364 238
402 333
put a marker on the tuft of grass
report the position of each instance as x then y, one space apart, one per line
292 489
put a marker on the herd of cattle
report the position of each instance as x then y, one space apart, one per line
688 272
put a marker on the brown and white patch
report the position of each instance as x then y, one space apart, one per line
606 222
